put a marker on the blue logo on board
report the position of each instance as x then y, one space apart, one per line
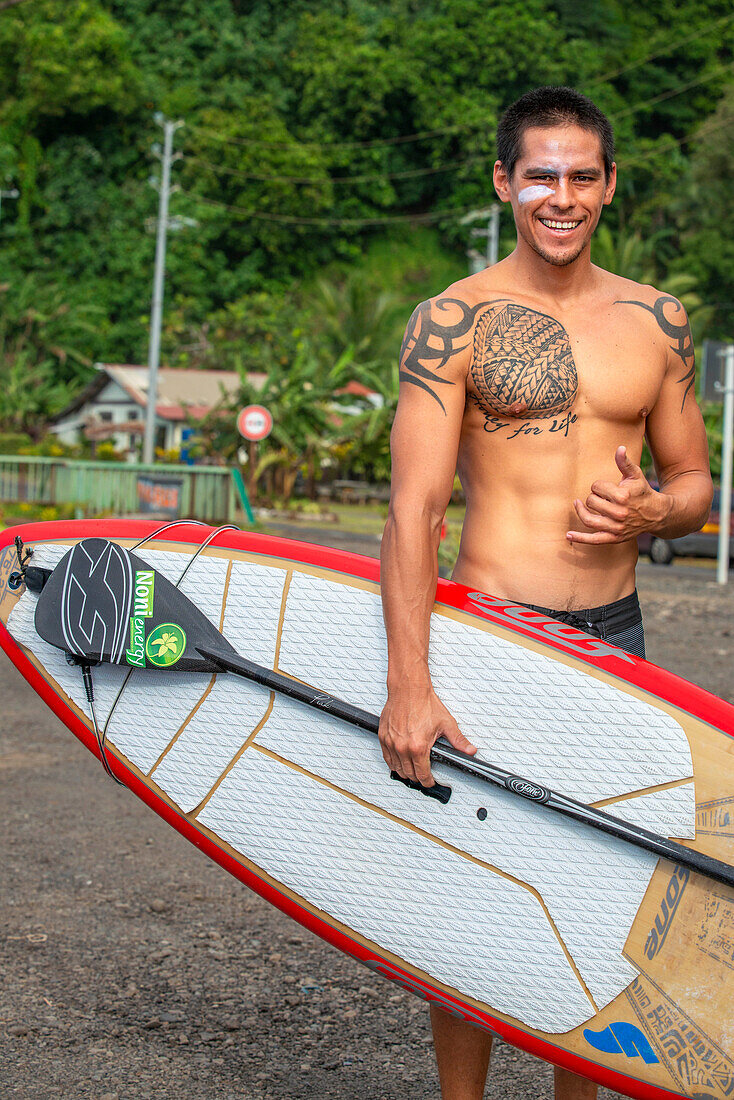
622 1038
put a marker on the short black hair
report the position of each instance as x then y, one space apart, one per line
551 105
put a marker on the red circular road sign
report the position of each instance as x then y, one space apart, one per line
254 422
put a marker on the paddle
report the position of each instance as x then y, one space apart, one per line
101 596
103 603
443 753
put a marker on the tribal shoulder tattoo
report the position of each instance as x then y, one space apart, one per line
671 318
522 365
428 341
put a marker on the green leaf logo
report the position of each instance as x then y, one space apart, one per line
165 645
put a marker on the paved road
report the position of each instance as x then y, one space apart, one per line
134 968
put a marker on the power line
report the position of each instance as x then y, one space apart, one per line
673 143
449 166
673 92
324 222
288 219
377 142
324 181
660 53
259 215
416 172
422 135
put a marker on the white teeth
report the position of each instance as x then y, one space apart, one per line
559 225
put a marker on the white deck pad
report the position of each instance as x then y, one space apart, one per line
465 923
234 707
410 895
571 867
528 713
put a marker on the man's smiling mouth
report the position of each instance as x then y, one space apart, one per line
566 226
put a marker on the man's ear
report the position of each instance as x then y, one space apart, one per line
611 186
501 181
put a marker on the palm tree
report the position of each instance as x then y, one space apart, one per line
304 401
354 315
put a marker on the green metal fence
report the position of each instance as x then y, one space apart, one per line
204 492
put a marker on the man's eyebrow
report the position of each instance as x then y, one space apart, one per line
544 170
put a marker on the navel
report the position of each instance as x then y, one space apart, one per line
643 412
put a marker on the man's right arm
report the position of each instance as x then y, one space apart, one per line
425 439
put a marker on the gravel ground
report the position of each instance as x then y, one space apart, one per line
133 967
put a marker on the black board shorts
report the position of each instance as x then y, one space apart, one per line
619 623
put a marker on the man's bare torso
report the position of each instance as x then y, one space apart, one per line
551 392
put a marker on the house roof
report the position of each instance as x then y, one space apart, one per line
181 393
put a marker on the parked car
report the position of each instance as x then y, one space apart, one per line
699 544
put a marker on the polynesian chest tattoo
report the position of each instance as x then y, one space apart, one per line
671 317
522 364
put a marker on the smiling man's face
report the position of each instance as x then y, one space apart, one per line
557 190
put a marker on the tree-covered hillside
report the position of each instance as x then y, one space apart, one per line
338 141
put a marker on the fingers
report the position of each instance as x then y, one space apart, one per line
614 494
604 506
422 769
596 520
414 763
388 753
390 758
409 757
592 538
410 754
603 529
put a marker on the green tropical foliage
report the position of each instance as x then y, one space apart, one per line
328 154
305 402
40 369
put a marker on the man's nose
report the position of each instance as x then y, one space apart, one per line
563 194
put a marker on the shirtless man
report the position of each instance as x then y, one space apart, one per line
538 379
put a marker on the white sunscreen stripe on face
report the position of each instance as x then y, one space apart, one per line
538 191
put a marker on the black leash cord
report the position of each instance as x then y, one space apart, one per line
101 739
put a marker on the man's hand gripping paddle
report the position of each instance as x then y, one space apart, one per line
104 604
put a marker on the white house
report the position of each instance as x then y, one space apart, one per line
113 406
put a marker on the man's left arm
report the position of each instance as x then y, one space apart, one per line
676 436
677 439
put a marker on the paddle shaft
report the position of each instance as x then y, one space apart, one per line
481 769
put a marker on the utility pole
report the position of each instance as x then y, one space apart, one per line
167 156
13 193
477 263
493 236
722 566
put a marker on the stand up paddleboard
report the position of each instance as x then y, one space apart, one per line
569 938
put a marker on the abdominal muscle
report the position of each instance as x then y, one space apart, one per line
519 508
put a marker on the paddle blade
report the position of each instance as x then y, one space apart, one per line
103 603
